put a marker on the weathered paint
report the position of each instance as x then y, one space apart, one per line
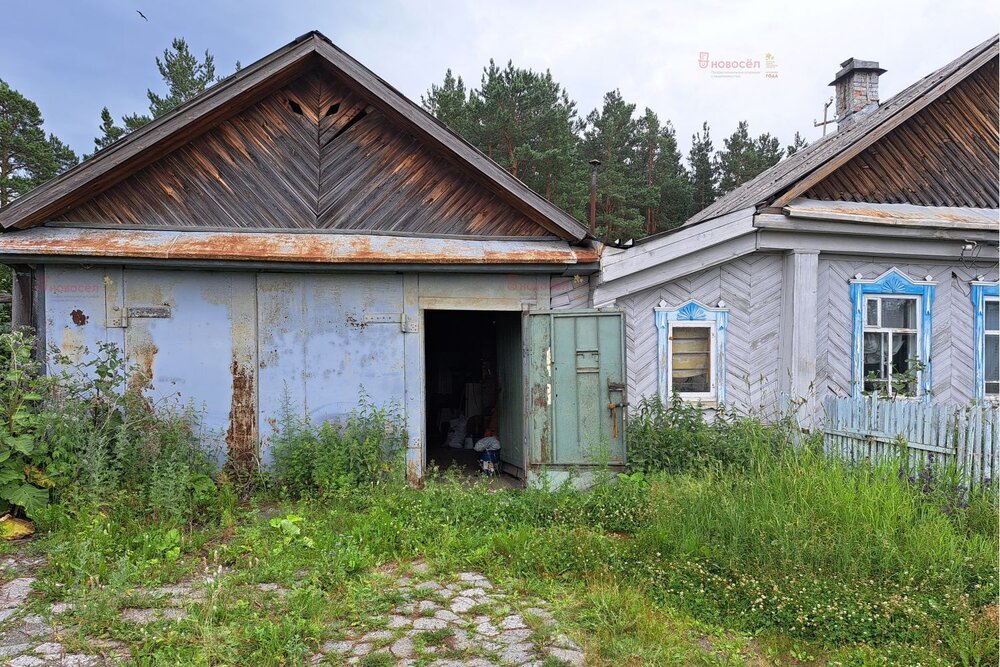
575 388
979 293
325 340
299 248
692 311
235 345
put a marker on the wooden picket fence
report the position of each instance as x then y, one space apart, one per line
872 428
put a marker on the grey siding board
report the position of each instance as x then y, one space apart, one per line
750 287
570 292
951 338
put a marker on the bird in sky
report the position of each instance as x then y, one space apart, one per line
141 14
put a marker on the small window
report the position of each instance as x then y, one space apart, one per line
991 351
691 356
891 363
691 352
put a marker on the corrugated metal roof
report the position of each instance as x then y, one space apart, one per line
909 215
284 248
773 182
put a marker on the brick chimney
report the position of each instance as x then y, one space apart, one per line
857 90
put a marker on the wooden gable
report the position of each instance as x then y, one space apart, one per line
313 155
944 155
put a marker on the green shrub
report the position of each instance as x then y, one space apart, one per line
24 483
364 449
678 438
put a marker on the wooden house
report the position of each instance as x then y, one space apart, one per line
303 234
865 263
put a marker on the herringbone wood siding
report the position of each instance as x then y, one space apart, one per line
951 338
750 287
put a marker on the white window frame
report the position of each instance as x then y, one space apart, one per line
694 396
878 328
986 334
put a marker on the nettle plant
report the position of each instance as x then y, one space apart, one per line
24 485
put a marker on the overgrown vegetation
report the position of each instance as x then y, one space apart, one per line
729 541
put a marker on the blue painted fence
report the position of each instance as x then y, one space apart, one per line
872 428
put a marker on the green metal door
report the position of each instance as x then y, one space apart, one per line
575 387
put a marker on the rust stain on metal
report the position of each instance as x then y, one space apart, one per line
413 476
299 248
79 317
242 431
142 355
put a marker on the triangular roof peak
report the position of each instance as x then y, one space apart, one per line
252 84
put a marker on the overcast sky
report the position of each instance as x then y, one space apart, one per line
74 57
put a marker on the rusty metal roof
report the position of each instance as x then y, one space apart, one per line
790 177
273 247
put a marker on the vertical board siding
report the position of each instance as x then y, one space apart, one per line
750 289
951 338
868 428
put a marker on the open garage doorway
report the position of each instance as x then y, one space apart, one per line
473 373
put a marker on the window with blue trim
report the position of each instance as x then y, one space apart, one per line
691 342
892 335
986 339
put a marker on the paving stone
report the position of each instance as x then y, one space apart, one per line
448 616
487 628
25 661
362 649
427 605
513 636
14 592
402 647
574 658
562 641
49 648
337 647
78 660
421 567
35 626
477 592
397 621
6 613
460 605
378 636
517 654
172 614
429 624
513 622
60 607
428 586
13 649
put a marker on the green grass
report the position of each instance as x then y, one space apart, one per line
757 554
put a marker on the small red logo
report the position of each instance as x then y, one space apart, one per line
703 59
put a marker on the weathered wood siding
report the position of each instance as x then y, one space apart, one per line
751 289
570 292
312 155
948 154
951 338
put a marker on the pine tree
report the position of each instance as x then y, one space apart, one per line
526 122
449 103
185 77
667 198
703 170
742 158
613 136
27 156
798 143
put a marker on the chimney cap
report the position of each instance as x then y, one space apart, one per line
595 162
854 64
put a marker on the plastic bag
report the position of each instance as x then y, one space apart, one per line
487 444
456 434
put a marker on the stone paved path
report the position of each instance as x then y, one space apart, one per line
459 620
441 621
